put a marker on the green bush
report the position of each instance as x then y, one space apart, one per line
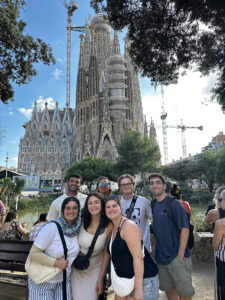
27 203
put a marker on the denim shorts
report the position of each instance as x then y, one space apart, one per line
150 288
177 276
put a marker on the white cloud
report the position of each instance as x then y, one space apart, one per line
14 159
41 103
57 73
27 112
14 142
185 101
11 113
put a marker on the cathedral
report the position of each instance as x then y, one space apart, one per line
108 104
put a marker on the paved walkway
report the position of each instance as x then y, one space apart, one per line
203 281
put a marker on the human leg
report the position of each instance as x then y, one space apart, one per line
172 295
151 288
44 291
220 277
58 292
181 275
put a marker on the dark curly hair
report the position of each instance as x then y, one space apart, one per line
176 191
12 214
86 216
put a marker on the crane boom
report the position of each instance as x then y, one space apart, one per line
71 6
183 128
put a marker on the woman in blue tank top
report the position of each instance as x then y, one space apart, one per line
125 247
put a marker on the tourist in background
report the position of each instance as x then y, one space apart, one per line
73 184
219 211
125 248
11 229
48 250
2 212
176 192
88 284
219 247
37 226
103 186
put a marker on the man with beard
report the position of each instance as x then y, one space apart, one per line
73 184
171 253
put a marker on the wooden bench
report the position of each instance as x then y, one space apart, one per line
13 255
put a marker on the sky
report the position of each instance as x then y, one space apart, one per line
188 100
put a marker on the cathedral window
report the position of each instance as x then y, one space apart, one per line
87 92
34 126
45 126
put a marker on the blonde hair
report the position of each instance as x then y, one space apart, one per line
217 195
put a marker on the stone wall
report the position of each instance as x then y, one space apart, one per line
202 250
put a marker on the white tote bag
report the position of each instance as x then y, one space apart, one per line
122 286
40 273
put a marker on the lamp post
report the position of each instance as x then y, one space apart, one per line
6 165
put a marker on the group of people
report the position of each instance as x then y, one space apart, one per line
118 227
215 215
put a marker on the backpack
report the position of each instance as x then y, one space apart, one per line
170 214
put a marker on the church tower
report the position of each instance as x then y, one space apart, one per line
108 99
108 104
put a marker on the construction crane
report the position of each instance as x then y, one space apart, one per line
71 6
182 127
164 127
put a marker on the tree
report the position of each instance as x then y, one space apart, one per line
137 154
18 52
180 171
207 167
19 185
91 169
170 36
220 174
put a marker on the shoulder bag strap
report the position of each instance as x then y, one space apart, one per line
131 206
91 248
65 254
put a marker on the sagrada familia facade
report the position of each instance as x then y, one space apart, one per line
108 104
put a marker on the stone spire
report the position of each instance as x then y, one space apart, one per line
116 44
81 85
93 83
152 134
87 46
145 128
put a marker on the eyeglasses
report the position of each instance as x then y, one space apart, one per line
103 184
126 184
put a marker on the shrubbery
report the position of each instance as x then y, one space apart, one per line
27 203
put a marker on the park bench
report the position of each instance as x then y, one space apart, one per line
13 255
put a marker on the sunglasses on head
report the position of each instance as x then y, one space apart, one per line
103 184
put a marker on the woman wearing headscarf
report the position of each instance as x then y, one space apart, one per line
48 250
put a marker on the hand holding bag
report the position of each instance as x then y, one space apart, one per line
41 273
